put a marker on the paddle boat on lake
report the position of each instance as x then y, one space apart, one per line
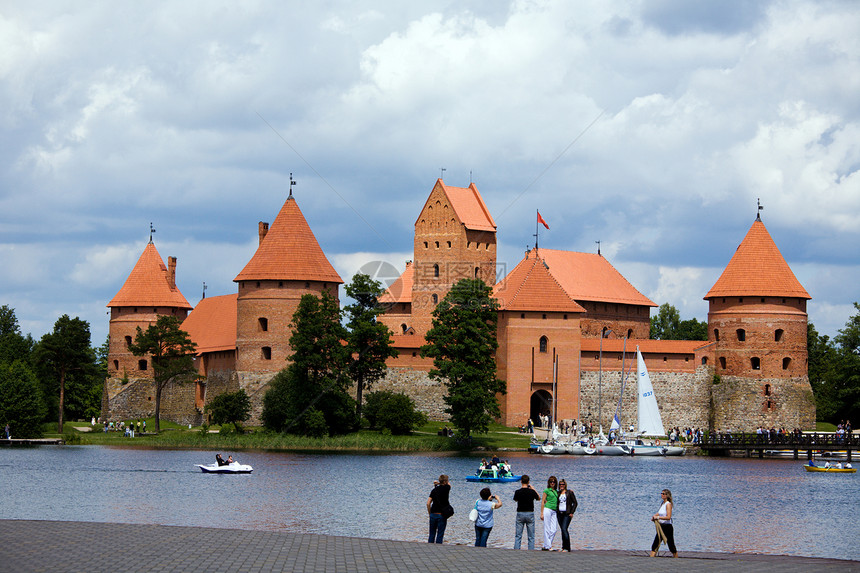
831 469
234 468
496 473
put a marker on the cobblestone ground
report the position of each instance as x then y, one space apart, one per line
57 546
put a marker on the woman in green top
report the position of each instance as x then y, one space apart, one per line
548 507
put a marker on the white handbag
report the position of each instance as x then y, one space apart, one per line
473 515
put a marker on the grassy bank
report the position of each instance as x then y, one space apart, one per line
425 439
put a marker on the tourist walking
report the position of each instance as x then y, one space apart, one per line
484 523
439 509
548 508
663 521
525 498
566 506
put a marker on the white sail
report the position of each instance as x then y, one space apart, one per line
650 423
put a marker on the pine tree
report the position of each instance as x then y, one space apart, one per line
462 343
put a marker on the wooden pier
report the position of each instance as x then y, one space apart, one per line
32 442
810 443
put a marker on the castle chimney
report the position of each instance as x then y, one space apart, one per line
171 272
262 229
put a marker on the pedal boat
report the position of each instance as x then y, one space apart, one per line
493 476
234 468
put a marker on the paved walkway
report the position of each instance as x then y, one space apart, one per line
57 546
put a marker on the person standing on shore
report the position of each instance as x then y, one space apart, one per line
566 506
663 518
525 498
548 508
484 523
439 509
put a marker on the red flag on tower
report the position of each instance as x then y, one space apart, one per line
541 221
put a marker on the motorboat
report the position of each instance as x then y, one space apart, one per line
831 469
637 447
233 468
605 450
675 451
553 448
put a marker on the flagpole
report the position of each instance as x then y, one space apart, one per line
537 231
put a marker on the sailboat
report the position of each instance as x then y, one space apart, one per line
650 421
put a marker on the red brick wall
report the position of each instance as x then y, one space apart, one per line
620 318
124 322
440 240
276 301
526 369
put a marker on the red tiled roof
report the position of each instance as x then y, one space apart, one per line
645 346
289 251
212 324
147 284
757 269
532 287
469 206
401 289
589 277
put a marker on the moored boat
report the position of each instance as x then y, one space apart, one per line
493 474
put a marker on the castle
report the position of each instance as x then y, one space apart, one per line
567 324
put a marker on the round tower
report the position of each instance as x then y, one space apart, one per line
757 323
288 263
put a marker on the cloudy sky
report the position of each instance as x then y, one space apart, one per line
652 127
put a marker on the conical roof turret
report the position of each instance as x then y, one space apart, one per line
150 283
758 269
289 251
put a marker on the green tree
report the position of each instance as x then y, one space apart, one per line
846 372
462 343
172 355
397 414
369 340
317 378
13 346
230 407
822 356
21 404
68 365
667 325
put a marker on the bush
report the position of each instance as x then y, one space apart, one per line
373 402
313 424
232 407
394 413
227 429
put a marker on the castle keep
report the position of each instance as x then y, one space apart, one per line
569 323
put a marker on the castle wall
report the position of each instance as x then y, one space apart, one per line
136 399
743 404
634 321
124 322
427 393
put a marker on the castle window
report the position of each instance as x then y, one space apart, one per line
267 353
565 317
449 244
629 333
414 354
258 284
717 334
543 343
280 284
762 300
435 270
740 300
777 336
435 299
769 405
722 362
477 272
307 284
755 363
522 315
742 335
127 341
704 360
543 316
403 328
665 359
437 244
116 364
426 245
686 359
264 324
767 389
786 362
141 365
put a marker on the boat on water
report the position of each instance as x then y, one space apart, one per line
234 468
638 447
831 469
494 474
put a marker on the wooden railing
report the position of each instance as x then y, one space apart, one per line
791 441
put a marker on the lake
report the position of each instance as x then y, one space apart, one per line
721 504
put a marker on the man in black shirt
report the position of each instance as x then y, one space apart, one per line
525 498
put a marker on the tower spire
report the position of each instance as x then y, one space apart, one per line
151 231
759 209
292 182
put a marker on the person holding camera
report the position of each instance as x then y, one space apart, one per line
484 524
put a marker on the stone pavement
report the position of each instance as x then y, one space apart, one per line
57 546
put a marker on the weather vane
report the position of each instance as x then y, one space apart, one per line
598 247
442 172
291 184
758 211
151 231
204 289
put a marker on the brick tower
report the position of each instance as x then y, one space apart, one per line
455 238
149 292
757 322
288 263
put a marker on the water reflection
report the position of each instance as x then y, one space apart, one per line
735 505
